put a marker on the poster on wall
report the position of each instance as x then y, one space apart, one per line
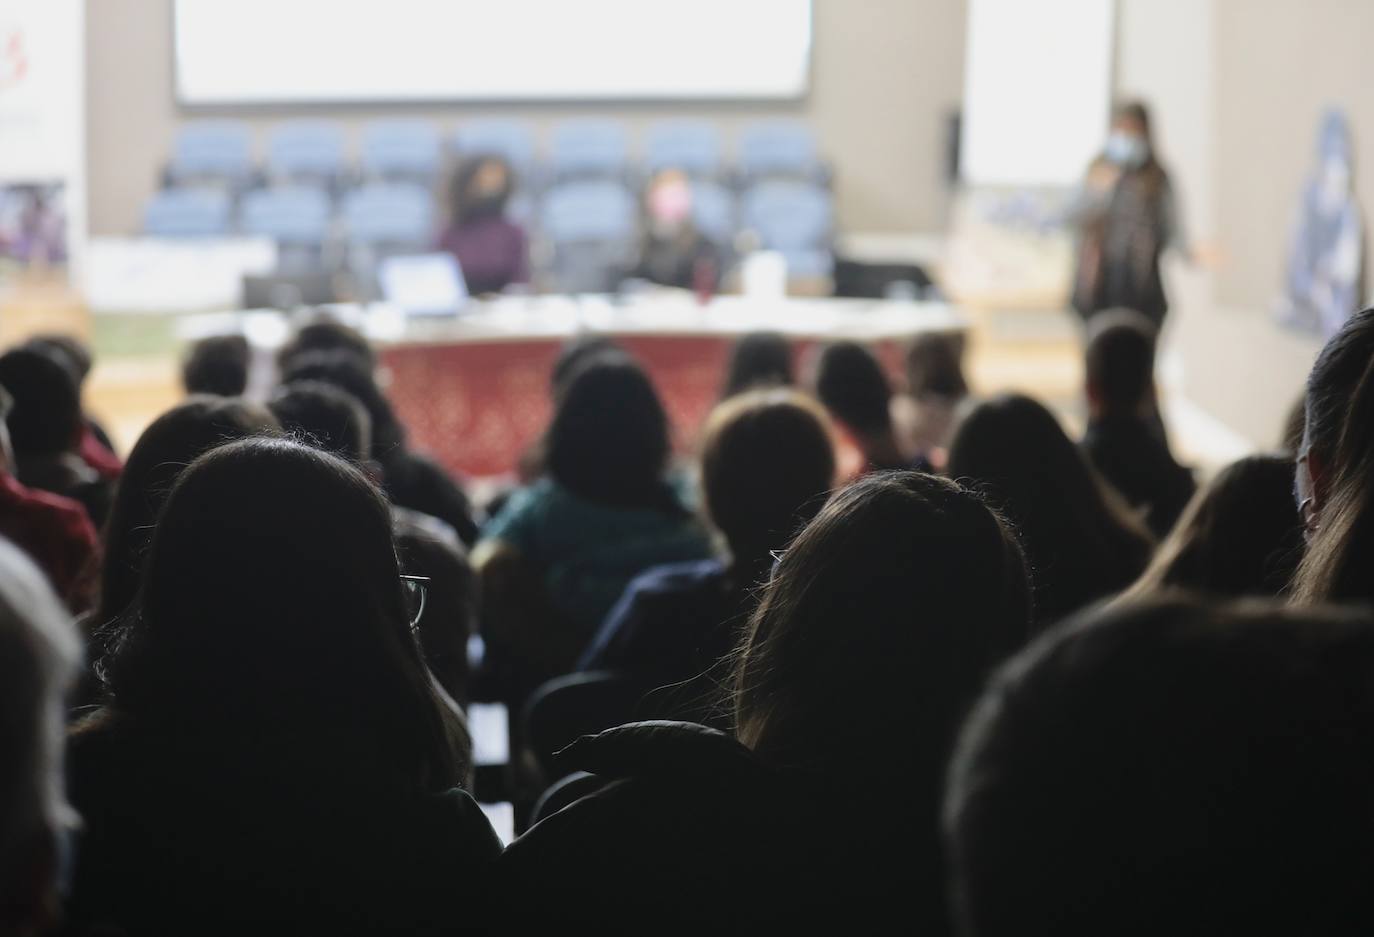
1325 279
42 137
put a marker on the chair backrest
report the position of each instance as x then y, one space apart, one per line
191 212
391 213
589 147
714 212
589 210
512 140
795 218
401 148
292 214
690 145
566 708
564 792
778 147
306 148
212 149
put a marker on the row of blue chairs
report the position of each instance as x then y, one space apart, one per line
416 149
788 215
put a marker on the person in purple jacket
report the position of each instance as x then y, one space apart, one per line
492 249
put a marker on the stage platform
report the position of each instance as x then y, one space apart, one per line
473 387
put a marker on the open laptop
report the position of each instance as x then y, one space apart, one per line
423 284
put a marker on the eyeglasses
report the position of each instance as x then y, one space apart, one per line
416 588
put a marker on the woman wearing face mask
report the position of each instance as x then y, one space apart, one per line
674 252
492 250
1126 215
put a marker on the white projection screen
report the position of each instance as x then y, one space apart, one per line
1037 90
306 51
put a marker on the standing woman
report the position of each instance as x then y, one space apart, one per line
1126 215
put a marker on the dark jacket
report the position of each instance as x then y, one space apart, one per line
200 842
1133 456
694 834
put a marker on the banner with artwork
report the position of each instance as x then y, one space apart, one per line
42 134
1325 276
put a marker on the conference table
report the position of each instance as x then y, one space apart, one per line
473 387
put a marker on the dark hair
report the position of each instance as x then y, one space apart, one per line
1171 767
1239 536
1081 542
935 366
463 204
324 333
758 359
1340 434
1294 428
165 448
70 350
852 385
352 374
574 354
46 416
326 417
272 621
217 365
1138 112
608 441
879 625
1120 360
767 464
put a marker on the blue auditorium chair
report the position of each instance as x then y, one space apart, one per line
297 217
796 218
212 151
389 215
778 148
714 212
589 148
512 140
402 149
690 145
591 227
187 213
306 149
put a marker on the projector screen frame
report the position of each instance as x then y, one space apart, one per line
505 103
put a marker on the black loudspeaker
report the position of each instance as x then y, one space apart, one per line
857 280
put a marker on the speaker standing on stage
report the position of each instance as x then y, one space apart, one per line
1126 214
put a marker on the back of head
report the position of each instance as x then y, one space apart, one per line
326 417
352 374
271 619
879 625
166 447
852 385
759 359
573 356
935 366
1336 464
1240 536
45 417
767 463
1080 543
217 365
1120 362
325 333
70 350
608 441
1171 768
39 655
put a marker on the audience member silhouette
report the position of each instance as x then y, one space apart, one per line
95 446
54 531
325 333
1240 536
767 465
851 383
848 695
326 417
562 550
936 387
45 427
273 749
758 360
1171 767
1125 440
39 656
217 366
1082 544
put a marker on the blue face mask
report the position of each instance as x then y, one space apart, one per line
1126 150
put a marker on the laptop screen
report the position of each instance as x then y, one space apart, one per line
423 284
